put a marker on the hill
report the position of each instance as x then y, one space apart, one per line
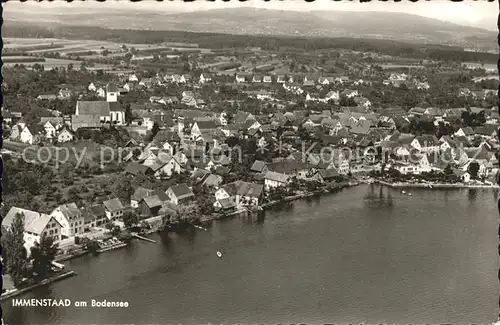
250 21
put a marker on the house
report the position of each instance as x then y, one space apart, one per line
179 194
466 132
26 136
133 78
136 169
280 79
85 122
64 94
94 216
256 79
166 167
35 225
151 206
308 83
212 180
114 209
258 166
426 143
199 126
332 95
92 87
349 93
267 79
240 78
65 135
225 205
464 176
46 97
274 179
243 194
50 129
70 218
138 195
487 131
327 175
101 92
205 77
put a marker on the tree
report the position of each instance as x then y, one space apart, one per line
130 219
13 251
43 253
473 169
155 129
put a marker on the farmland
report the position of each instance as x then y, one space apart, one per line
58 53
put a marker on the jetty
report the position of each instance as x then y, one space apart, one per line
136 235
42 283
200 227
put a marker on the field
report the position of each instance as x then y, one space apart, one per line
35 46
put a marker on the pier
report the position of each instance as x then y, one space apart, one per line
143 238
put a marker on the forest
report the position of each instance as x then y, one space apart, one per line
274 43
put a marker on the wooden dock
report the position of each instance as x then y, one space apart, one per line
143 238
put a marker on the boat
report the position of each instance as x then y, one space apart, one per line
403 192
219 254
409 194
110 244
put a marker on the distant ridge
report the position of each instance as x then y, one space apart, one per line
251 21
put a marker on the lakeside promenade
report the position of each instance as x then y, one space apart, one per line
433 185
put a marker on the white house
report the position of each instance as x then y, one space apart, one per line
426 143
133 78
205 78
332 95
273 180
179 194
223 119
70 218
114 209
101 93
26 136
166 168
35 225
50 129
65 135
92 87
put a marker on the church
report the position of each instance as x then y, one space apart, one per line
91 114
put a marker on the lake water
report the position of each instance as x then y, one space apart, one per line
367 254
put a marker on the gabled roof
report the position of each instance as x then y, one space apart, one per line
427 140
34 222
212 180
278 177
468 130
141 193
258 166
152 201
99 108
181 191
328 174
111 88
113 205
135 168
206 125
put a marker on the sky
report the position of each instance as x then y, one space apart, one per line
479 13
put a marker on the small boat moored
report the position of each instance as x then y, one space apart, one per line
403 192
219 254
409 194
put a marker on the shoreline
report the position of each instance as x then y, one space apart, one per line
44 282
434 185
